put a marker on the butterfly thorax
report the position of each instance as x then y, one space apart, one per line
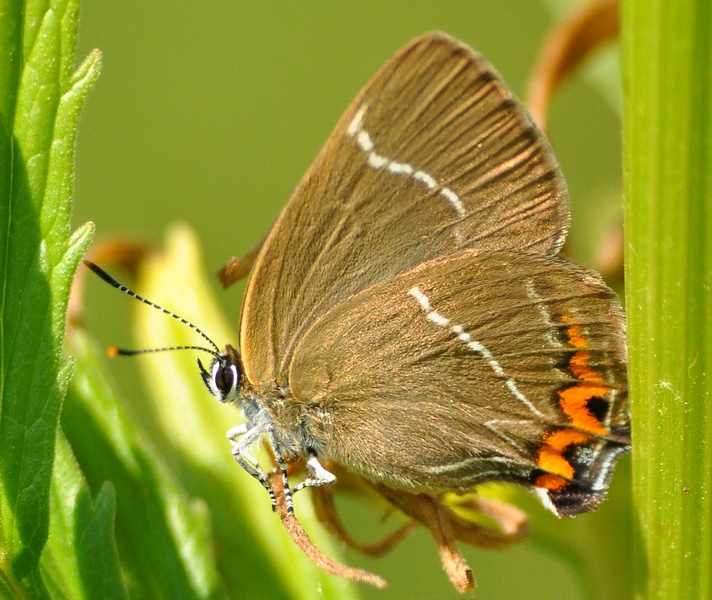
292 428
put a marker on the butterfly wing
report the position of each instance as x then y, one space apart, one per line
434 156
483 366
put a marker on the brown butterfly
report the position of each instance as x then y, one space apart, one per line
408 316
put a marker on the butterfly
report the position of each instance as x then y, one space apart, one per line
409 317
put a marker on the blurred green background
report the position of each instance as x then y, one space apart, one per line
210 112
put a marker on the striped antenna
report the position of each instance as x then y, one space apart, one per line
121 287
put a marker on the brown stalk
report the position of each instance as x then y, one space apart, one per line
566 48
302 540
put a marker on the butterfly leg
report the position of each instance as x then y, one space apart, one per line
282 466
247 461
318 475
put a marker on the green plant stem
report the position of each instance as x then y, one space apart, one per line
667 67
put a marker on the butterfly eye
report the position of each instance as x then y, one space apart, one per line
226 379
223 379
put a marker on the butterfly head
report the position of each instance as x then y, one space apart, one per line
224 377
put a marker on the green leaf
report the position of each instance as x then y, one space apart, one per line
40 100
81 558
667 62
163 534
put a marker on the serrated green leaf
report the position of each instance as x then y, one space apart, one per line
81 558
40 109
163 533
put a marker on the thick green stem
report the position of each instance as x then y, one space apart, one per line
667 67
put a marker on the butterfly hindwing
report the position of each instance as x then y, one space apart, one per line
485 365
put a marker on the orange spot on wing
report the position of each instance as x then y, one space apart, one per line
574 402
574 399
551 454
575 338
551 482
561 439
578 364
554 462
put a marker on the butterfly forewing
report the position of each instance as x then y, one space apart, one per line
486 365
432 158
